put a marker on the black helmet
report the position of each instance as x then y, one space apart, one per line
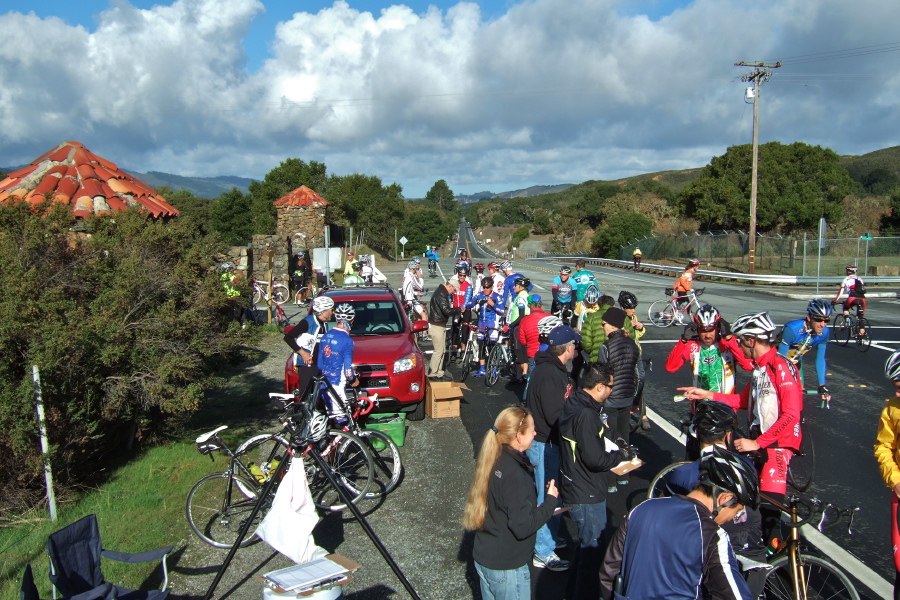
714 418
627 300
729 472
357 266
523 281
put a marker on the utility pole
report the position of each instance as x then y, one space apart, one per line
759 75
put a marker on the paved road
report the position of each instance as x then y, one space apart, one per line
846 473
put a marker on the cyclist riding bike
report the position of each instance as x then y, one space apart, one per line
432 256
773 399
802 335
856 293
563 290
675 548
684 284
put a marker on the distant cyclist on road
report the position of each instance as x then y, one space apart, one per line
684 284
856 293
802 335
563 290
432 256
636 256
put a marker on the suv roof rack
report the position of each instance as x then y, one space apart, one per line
336 287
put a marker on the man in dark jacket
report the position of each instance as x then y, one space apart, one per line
621 353
439 312
549 388
584 462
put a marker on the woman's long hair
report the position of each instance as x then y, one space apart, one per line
509 422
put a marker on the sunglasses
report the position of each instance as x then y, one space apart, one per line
707 329
820 319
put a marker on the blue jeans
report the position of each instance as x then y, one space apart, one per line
514 584
527 381
590 520
545 458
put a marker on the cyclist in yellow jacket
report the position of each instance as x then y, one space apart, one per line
887 451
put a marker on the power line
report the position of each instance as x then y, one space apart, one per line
839 54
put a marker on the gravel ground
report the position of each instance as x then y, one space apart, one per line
418 523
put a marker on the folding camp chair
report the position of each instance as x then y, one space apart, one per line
29 591
75 553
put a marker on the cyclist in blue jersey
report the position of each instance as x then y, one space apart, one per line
563 291
674 547
336 359
508 277
802 335
489 310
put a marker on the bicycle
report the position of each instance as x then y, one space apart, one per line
565 314
279 293
432 268
665 312
858 327
501 361
305 293
472 351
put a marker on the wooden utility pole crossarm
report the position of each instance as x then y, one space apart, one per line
759 75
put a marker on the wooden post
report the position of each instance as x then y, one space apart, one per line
270 264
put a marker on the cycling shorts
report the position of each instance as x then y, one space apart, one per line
773 476
851 301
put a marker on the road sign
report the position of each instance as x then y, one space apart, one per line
866 237
403 240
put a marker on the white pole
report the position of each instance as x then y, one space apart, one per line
45 442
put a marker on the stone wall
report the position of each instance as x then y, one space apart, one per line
308 220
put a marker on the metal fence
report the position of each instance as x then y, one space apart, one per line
784 255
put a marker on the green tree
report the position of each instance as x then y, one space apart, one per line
281 180
891 221
126 325
797 185
618 231
441 196
425 227
190 208
230 216
362 201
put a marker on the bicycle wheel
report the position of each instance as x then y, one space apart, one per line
863 340
349 463
657 487
257 295
823 580
280 294
841 328
385 459
661 313
216 509
803 465
264 452
495 363
469 358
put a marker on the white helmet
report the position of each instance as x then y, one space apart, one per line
321 304
892 366
344 312
412 265
548 324
506 265
592 294
318 426
757 325
707 316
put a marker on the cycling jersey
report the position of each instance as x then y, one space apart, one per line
713 367
888 456
508 292
685 282
518 307
797 340
583 278
498 283
488 316
582 310
672 548
854 287
431 255
412 285
463 292
562 290
336 358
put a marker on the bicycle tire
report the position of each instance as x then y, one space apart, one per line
841 327
216 509
823 580
468 358
864 341
257 295
280 294
661 313
495 363
386 460
800 474
264 450
350 463
657 487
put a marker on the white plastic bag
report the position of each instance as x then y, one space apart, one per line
288 525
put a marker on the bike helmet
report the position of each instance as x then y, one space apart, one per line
479 268
412 265
727 472
757 325
548 324
818 308
707 316
462 267
592 294
364 259
851 269
714 418
506 265
318 426
627 300
523 281
357 266
417 260
693 263
565 271
226 266
344 312
493 265
487 282
892 366
321 304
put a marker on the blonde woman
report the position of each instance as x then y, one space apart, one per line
502 507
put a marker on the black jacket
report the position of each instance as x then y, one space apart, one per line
622 354
506 540
548 389
440 309
583 459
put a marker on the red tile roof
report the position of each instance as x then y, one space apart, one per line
90 184
302 196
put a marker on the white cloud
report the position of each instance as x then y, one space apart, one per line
551 91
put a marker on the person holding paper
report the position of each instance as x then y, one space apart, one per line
587 456
502 507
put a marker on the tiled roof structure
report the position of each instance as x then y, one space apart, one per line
302 196
70 173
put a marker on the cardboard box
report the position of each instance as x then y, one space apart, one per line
442 398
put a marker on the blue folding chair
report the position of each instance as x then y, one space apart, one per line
75 553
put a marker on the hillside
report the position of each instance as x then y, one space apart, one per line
877 171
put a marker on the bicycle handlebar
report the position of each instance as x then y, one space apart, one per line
816 508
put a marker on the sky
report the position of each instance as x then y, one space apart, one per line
488 95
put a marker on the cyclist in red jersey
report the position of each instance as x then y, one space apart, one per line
773 399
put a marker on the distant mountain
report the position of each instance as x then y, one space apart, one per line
534 190
202 187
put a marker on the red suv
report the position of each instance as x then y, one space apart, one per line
385 353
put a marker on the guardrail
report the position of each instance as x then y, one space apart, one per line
745 277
